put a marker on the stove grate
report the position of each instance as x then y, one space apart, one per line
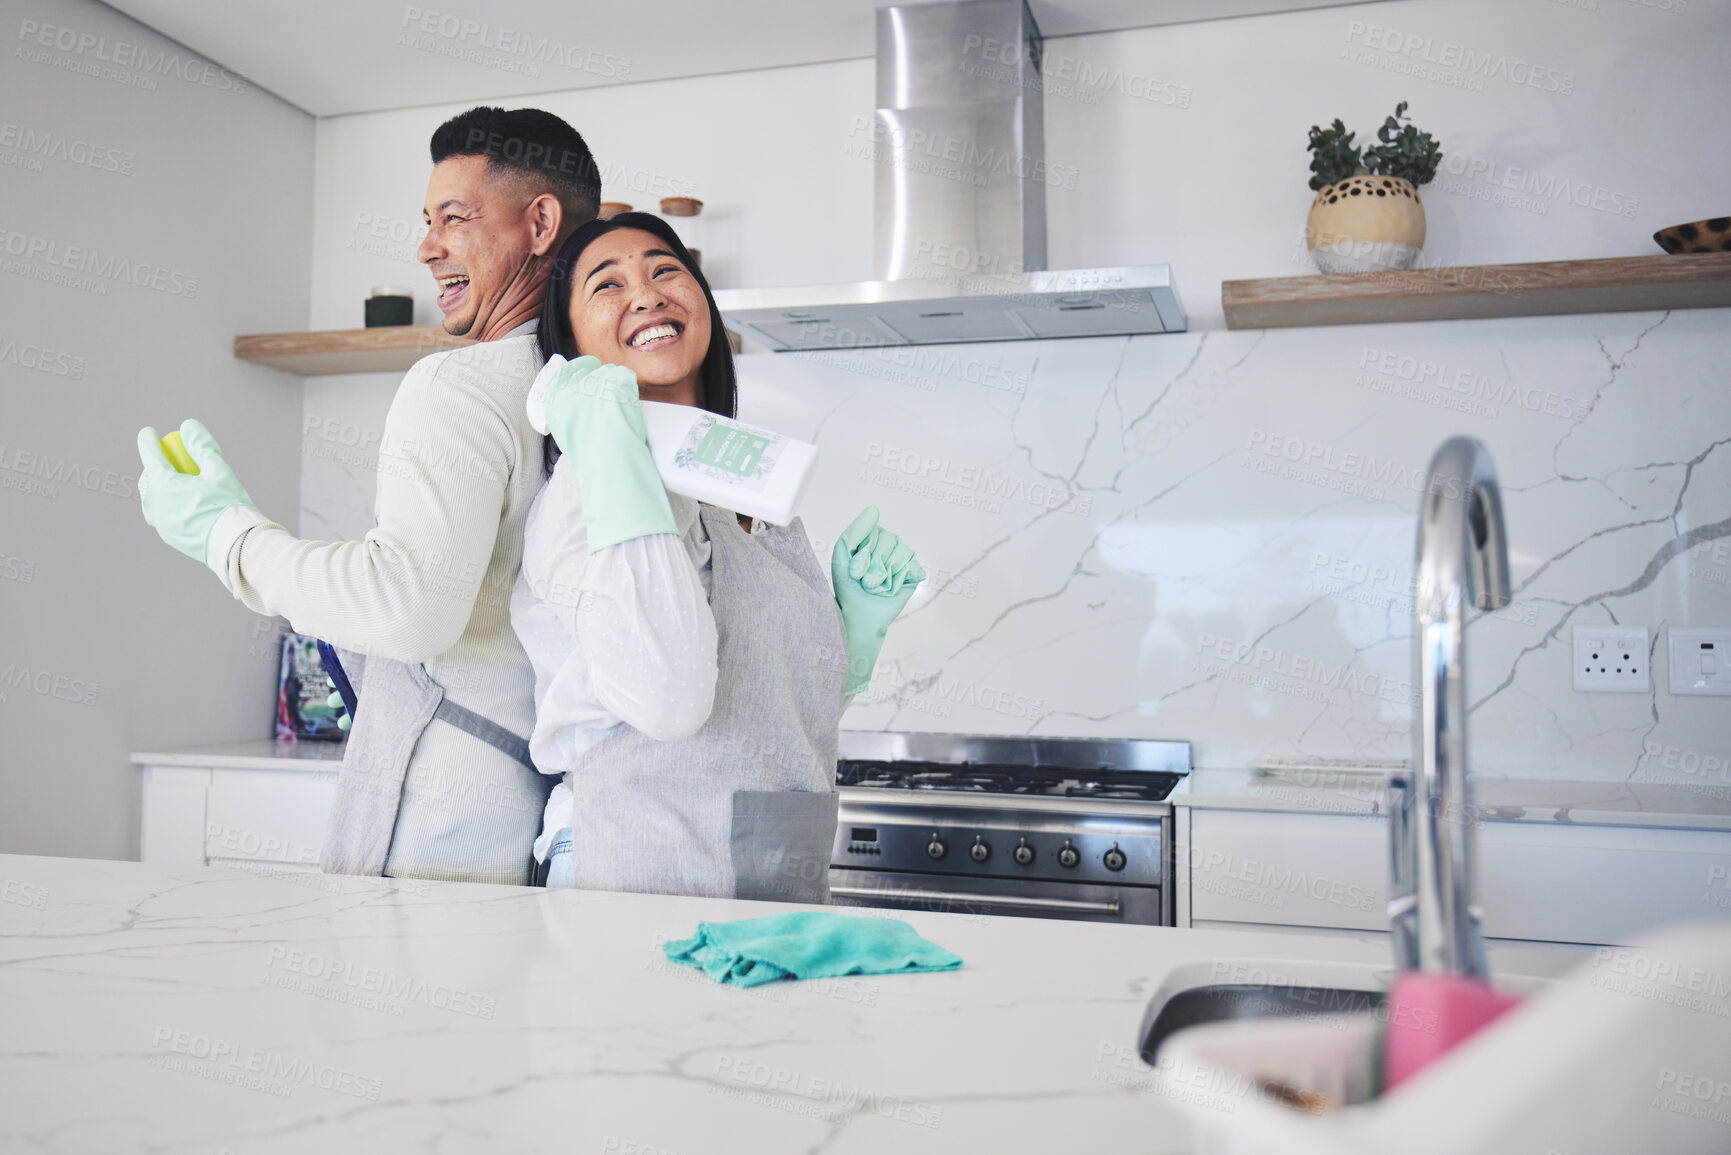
1038 781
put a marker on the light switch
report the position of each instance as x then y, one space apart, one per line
1700 660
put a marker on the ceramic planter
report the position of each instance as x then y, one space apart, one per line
1365 224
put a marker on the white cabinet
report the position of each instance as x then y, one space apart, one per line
247 804
1595 884
172 826
1320 870
1550 882
267 816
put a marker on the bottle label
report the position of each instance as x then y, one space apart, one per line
742 458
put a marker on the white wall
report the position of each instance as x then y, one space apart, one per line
1172 545
187 193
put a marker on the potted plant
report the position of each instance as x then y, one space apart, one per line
1367 214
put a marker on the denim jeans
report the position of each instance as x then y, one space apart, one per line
560 873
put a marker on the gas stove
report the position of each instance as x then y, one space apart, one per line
1046 827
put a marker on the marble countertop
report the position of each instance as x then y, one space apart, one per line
250 754
1691 806
188 1009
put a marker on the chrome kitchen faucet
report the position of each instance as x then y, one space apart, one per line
1462 554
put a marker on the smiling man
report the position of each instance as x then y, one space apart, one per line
495 212
436 781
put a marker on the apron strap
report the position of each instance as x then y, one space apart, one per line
485 729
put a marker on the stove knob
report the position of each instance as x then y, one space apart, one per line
1023 854
980 850
1068 858
936 848
1114 858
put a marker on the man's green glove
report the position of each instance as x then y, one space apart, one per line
335 702
183 507
875 574
593 412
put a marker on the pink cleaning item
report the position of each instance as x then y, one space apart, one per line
1430 1015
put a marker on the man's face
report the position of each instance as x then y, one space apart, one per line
479 243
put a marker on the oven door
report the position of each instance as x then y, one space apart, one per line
984 897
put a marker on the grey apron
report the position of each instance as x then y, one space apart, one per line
745 807
402 699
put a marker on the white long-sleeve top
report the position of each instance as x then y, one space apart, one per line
459 466
621 637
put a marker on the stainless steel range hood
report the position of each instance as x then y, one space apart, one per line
957 143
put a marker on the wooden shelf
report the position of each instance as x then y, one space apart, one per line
1613 285
382 350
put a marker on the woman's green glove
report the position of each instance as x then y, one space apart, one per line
593 412
183 507
875 573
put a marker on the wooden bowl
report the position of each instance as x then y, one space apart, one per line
611 209
1709 236
681 206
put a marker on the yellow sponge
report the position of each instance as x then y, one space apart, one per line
175 450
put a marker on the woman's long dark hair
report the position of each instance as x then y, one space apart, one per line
716 385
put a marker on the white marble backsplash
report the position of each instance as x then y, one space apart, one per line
1210 535
1121 541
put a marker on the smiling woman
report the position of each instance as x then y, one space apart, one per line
617 286
691 667
641 307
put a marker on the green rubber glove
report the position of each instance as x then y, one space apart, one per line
593 413
182 507
335 702
875 573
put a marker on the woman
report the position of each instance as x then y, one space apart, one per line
691 667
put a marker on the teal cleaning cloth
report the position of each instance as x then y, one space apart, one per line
807 944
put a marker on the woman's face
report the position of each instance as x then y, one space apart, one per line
634 304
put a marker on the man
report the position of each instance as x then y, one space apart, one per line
436 782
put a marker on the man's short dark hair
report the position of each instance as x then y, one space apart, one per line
533 143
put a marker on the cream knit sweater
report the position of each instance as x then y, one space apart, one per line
459 466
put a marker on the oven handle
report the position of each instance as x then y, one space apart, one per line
912 894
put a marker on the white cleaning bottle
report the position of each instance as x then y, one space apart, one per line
710 458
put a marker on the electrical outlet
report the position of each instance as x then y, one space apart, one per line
1700 660
1612 660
